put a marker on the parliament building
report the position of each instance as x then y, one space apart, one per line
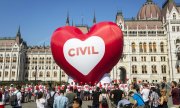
151 50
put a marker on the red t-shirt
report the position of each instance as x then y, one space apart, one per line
176 96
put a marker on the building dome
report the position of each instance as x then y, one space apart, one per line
149 11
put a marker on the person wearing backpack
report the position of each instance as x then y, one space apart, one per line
40 101
103 99
51 95
6 95
15 99
71 96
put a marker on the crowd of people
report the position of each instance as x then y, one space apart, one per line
102 96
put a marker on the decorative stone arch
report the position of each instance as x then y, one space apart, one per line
55 74
48 74
33 74
123 74
162 46
41 74
178 41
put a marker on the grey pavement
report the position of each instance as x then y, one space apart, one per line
84 105
33 105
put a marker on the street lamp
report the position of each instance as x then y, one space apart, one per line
35 73
60 76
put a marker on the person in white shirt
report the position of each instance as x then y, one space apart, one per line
40 101
19 97
145 95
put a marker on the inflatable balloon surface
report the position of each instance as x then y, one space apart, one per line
87 57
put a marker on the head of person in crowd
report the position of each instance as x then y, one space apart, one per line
77 103
11 85
103 91
163 85
71 89
137 89
62 92
173 84
131 93
163 92
97 89
132 86
178 85
157 86
18 87
40 95
116 86
145 85
153 89
51 88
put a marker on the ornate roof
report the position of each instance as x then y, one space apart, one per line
152 24
168 5
149 11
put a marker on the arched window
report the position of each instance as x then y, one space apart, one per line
48 74
7 58
144 47
1 59
6 74
177 41
133 47
43 60
174 16
144 70
162 46
33 74
163 68
154 47
150 47
154 69
55 74
134 69
13 73
40 74
140 47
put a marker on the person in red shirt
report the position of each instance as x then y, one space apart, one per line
175 93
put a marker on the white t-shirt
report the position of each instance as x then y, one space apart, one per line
145 94
40 103
86 88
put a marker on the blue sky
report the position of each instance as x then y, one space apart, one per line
39 18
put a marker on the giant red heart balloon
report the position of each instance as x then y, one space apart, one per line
87 57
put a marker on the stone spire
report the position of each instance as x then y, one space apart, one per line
18 33
18 36
67 19
72 23
94 19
